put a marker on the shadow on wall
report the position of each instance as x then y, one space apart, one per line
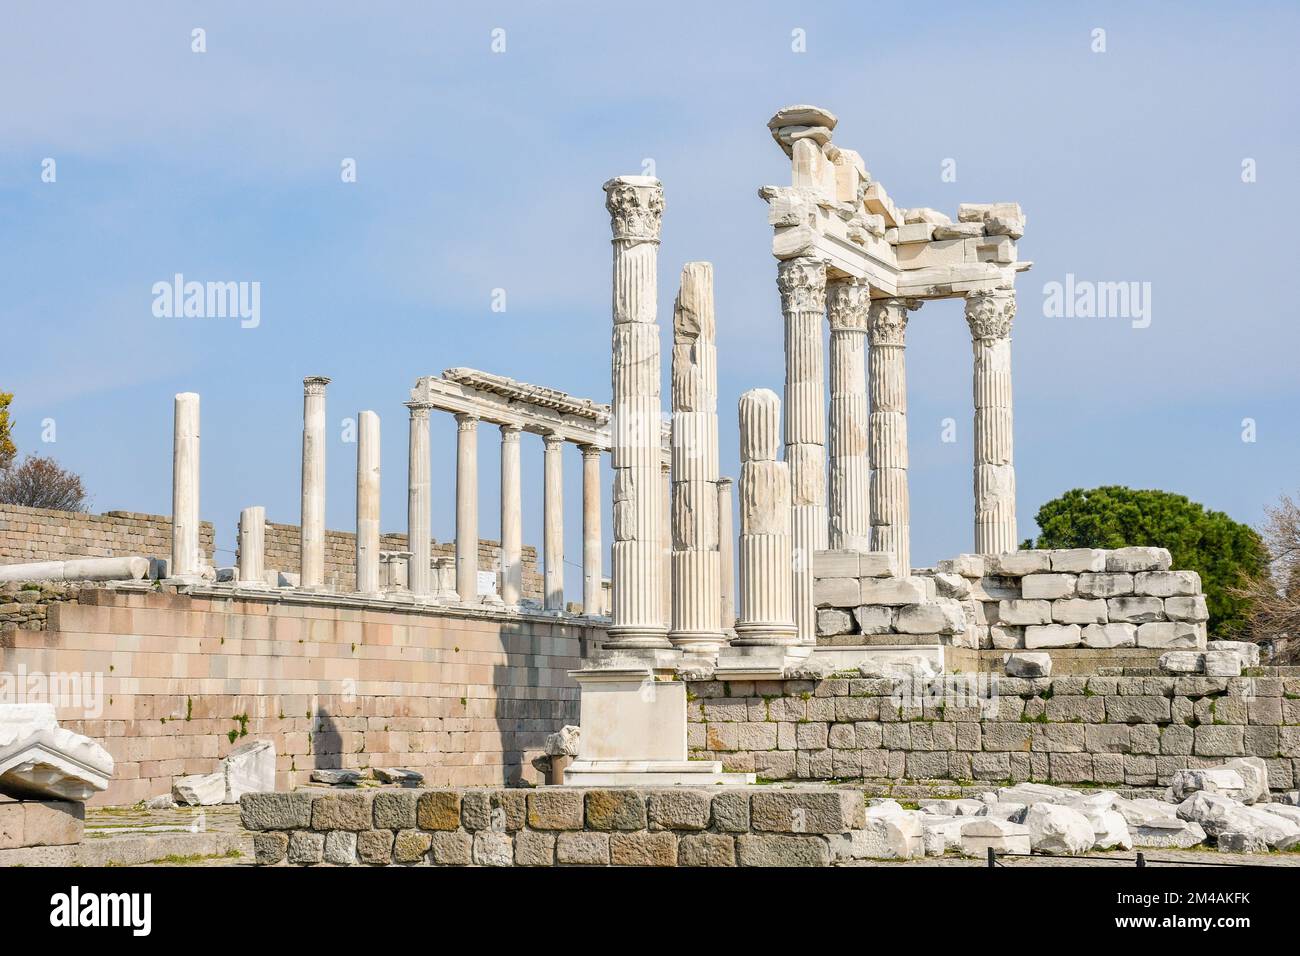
326 741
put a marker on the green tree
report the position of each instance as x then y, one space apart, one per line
1224 552
7 448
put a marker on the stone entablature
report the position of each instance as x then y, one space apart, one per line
1125 729
1038 600
551 826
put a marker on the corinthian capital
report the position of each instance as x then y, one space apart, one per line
887 320
636 207
989 314
847 302
802 283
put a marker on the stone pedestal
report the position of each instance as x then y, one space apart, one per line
696 599
635 204
850 466
802 284
887 386
312 543
634 726
989 315
419 505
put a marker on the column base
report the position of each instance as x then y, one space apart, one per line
766 635
698 643
636 637
651 773
757 661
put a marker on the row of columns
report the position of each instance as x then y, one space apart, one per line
868 459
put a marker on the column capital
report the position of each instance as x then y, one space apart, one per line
725 482
419 410
802 284
510 433
989 314
314 384
552 441
636 207
465 422
847 302
887 320
590 451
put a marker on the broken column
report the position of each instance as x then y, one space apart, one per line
512 568
635 205
696 583
419 505
553 520
367 544
312 532
767 611
850 469
887 387
989 315
252 545
802 283
467 508
592 596
187 556
726 557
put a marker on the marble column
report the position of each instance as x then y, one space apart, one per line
187 556
592 592
635 205
802 283
850 467
252 545
467 508
512 565
726 557
553 520
312 542
887 386
367 544
767 611
666 541
419 505
989 315
696 623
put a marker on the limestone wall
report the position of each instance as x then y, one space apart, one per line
557 826
40 534
283 554
1130 730
466 697
1080 598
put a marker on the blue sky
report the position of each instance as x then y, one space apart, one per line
479 170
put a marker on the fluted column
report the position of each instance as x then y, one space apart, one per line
696 584
850 468
553 520
766 586
312 527
592 596
252 545
419 506
989 315
187 559
726 557
512 566
887 387
367 544
802 283
635 204
467 508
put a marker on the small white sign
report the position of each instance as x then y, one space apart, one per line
487 582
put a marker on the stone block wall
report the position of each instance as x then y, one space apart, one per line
41 534
283 553
1133 730
557 826
464 696
1042 600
